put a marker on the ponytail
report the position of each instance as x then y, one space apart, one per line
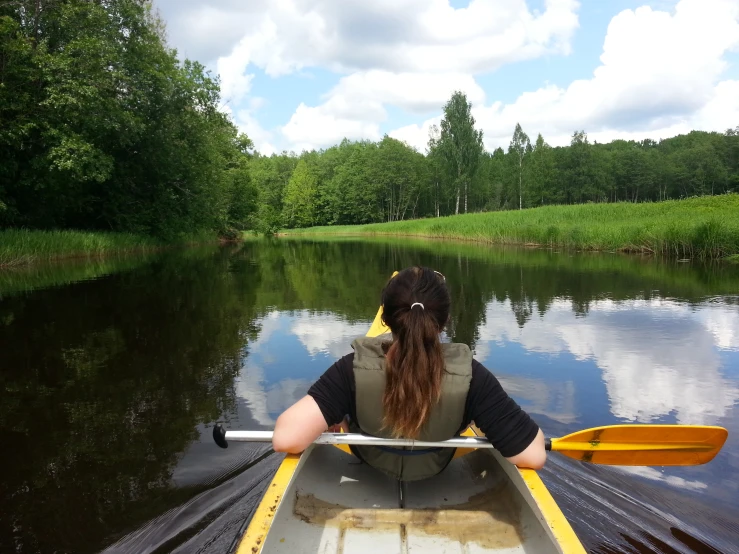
415 308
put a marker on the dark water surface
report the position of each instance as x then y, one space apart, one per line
112 374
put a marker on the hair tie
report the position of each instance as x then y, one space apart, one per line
417 304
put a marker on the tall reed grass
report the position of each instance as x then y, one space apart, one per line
21 246
703 228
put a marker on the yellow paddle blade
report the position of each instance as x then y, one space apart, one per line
644 445
378 327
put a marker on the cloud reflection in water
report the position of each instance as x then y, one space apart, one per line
270 379
658 357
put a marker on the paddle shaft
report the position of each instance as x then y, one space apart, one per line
363 440
457 442
643 445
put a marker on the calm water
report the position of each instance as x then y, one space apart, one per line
112 375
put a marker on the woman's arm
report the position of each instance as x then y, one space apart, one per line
327 402
298 426
511 430
534 455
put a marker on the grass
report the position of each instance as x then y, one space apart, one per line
21 247
703 228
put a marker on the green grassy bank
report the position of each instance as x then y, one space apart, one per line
20 247
705 228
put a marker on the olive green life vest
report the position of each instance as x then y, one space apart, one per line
444 422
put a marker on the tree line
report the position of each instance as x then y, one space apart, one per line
369 182
103 128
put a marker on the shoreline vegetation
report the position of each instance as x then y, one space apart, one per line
697 228
19 247
704 228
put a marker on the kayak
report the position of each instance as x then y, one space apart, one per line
324 500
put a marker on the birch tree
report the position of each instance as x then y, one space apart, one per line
519 148
460 144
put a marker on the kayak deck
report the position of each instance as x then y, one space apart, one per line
335 504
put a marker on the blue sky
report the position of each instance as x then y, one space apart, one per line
299 74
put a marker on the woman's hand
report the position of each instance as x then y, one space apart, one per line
342 427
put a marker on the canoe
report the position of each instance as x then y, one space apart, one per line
324 500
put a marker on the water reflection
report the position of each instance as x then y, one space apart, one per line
327 334
658 358
555 400
655 474
291 352
110 385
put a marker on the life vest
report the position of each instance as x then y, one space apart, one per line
445 420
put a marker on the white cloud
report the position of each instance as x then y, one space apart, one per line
206 29
285 36
414 92
416 135
411 55
310 128
235 81
356 106
660 72
659 76
407 53
657 357
247 123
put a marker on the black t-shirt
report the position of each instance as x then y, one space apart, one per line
504 423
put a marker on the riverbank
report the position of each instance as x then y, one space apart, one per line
702 228
22 247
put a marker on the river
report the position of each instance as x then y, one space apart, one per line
112 374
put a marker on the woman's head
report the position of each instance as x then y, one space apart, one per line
416 307
415 285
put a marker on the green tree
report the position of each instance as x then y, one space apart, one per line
242 195
399 177
298 206
271 175
103 128
541 172
438 170
460 144
519 149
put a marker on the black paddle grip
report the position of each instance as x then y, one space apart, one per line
547 444
219 435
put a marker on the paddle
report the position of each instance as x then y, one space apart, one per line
624 445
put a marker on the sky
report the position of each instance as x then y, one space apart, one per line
304 74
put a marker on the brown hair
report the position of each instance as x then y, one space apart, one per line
414 361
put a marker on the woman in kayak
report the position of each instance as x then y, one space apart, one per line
412 386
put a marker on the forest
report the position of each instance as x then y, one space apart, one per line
103 128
